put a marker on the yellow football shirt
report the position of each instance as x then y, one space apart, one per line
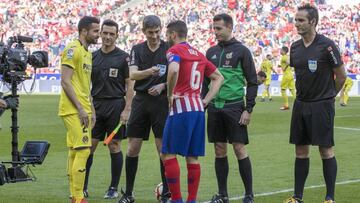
286 66
75 56
266 66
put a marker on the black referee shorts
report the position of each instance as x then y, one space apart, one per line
223 124
147 112
108 113
313 123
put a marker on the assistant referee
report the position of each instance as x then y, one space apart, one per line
110 86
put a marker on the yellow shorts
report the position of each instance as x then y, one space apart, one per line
267 81
348 85
287 83
77 136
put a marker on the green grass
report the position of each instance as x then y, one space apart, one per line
271 155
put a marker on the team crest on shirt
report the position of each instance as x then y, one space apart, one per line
113 73
312 65
70 53
85 139
229 55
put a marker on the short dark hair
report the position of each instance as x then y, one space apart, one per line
179 27
111 23
86 22
285 49
312 11
261 74
151 21
225 17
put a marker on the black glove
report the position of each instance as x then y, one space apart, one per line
11 102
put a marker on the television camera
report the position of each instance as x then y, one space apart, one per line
14 60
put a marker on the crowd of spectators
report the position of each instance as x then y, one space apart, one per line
263 25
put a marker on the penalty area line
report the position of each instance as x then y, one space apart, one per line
291 189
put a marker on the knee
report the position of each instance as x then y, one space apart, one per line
302 152
192 160
240 151
133 150
220 150
114 146
326 152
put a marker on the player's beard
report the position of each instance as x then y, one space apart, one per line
91 40
171 42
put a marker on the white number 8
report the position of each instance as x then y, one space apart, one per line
195 76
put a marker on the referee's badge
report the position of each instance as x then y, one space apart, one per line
162 68
312 65
113 72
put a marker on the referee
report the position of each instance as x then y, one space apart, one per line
110 86
316 60
229 113
148 67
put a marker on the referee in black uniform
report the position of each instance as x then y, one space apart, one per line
316 60
110 86
148 67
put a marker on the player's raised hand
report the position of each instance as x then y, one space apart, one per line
245 118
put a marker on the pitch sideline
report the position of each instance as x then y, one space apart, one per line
291 189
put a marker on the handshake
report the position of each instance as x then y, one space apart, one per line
8 102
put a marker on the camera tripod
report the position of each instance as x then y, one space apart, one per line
15 172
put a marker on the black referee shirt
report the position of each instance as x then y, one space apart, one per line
144 58
109 73
314 68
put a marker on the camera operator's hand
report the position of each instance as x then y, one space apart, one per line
11 102
3 104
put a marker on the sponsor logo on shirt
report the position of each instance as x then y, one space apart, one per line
332 55
113 73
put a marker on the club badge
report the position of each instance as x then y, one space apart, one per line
229 55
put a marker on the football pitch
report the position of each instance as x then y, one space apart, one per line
271 155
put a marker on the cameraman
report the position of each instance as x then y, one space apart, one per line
7 102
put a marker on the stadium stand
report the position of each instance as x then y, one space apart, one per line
263 25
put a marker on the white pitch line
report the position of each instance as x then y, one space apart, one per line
291 189
347 116
343 128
